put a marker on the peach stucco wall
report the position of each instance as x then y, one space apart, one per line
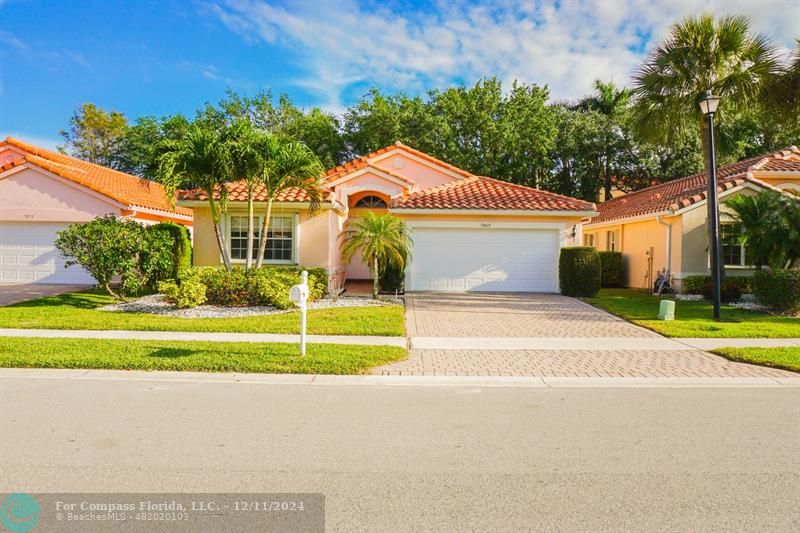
31 194
424 176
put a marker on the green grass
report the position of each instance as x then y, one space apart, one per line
78 310
693 319
785 358
27 352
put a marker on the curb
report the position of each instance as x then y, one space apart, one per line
395 381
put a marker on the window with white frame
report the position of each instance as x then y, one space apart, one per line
733 251
588 239
611 241
280 238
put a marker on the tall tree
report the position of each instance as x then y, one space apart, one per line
199 159
286 164
95 135
242 142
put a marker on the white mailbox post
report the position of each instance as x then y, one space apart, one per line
299 296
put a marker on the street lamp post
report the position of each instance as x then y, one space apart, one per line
708 105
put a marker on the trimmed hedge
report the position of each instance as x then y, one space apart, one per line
731 289
778 289
264 286
579 271
181 257
612 270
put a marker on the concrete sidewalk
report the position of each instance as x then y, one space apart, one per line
201 336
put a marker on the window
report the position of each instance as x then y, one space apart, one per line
611 241
588 240
371 201
280 238
733 252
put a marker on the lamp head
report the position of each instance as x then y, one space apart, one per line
709 103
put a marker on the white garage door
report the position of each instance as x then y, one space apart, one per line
28 255
504 260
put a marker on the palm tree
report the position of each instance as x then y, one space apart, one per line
382 239
286 164
610 102
242 143
199 159
755 217
701 54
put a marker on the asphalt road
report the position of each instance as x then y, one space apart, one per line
423 458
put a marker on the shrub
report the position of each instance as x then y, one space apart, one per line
264 286
731 289
392 276
579 271
156 256
105 247
612 269
188 294
778 289
179 251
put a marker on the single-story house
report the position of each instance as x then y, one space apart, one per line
470 233
665 226
43 192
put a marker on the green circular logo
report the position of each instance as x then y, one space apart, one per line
19 513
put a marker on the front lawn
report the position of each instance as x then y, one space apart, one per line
785 358
79 311
693 319
26 352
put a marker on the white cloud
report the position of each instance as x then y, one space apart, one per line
566 44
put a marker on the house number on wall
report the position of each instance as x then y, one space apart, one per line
485 225
29 215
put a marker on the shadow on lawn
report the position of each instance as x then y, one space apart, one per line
174 353
91 299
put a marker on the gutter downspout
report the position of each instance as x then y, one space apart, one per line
669 244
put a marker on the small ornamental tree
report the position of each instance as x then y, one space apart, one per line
105 247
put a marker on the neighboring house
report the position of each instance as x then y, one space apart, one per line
665 226
470 232
43 192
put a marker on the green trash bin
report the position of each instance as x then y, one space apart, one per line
666 311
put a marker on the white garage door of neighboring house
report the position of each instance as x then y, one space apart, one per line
503 260
28 255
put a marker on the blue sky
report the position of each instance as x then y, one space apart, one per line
143 57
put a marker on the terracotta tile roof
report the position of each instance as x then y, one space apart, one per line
237 192
480 192
124 188
684 192
363 162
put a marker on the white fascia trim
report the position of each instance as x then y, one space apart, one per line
69 183
485 226
159 212
373 170
420 160
493 212
588 226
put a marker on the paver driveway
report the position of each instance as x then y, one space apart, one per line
472 319
511 315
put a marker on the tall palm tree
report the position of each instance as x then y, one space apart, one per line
383 240
242 143
286 164
199 159
612 103
701 54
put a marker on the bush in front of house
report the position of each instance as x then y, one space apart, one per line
267 286
109 247
579 271
612 270
188 294
731 289
177 255
778 289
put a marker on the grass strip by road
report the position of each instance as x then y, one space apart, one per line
28 352
693 318
79 310
786 358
